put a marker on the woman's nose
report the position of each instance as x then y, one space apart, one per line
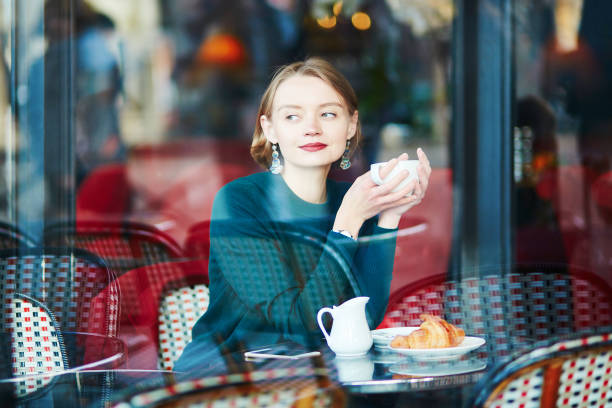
313 126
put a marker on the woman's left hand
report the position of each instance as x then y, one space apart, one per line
389 218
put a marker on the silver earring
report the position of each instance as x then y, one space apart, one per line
276 165
345 163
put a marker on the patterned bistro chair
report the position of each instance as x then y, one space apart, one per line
179 310
279 387
78 289
35 342
67 281
573 372
533 302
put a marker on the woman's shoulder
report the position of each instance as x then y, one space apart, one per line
239 195
246 185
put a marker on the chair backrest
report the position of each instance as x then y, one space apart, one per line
124 245
179 310
67 281
12 237
304 255
533 302
35 342
566 373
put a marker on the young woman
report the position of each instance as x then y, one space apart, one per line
261 291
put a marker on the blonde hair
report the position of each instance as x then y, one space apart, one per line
261 149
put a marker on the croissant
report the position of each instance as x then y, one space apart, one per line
434 332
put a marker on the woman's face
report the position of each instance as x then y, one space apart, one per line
310 122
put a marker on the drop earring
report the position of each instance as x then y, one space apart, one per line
276 165
345 163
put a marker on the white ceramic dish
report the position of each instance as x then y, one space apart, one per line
437 369
468 344
382 337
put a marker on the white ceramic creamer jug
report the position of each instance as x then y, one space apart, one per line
350 334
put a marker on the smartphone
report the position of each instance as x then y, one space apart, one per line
280 351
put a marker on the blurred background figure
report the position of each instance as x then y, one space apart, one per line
537 188
95 104
98 92
588 81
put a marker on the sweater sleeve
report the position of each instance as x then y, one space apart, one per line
373 269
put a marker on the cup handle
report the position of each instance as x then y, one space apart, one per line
375 174
319 316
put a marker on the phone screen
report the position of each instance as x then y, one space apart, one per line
281 351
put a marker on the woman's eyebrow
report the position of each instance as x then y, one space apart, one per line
299 107
331 104
288 107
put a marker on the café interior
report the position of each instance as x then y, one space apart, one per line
121 120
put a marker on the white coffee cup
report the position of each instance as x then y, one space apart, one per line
410 165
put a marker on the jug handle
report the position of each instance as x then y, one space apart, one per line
319 316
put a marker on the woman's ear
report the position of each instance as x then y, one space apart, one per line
352 129
266 127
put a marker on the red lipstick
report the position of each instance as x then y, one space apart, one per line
313 147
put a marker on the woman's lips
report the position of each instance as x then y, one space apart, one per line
313 147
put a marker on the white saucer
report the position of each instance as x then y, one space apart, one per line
468 344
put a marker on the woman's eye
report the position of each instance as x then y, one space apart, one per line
328 115
291 117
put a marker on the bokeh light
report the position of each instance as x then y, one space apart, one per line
361 21
327 22
337 8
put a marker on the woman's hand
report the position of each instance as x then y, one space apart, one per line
390 218
365 199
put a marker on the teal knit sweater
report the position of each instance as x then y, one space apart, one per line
261 292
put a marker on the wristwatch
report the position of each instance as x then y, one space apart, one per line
344 232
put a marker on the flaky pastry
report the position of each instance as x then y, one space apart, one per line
434 332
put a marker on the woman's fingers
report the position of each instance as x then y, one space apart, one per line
413 200
392 184
423 178
385 170
424 161
400 194
388 168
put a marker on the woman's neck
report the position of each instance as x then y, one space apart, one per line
309 184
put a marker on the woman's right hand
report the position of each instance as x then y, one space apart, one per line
365 199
